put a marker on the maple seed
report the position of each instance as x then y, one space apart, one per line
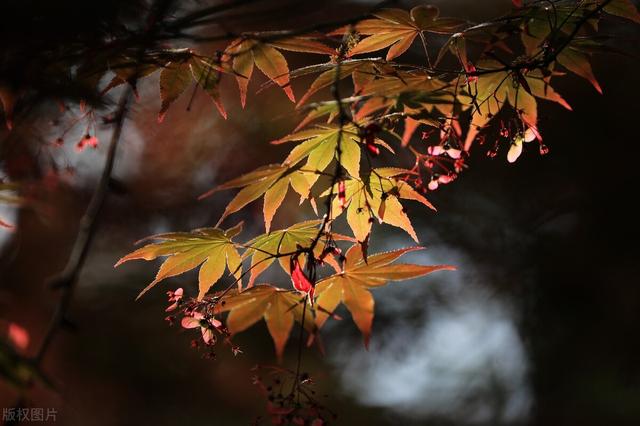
175 298
206 325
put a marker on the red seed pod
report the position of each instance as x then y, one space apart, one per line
342 194
86 141
373 149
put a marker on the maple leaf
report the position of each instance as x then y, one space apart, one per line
209 248
623 9
207 75
422 99
577 62
495 89
127 70
362 70
318 110
174 79
376 195
278 307
351 286
319 146
397 29
538 29
245 53
177 76
272 181
262 249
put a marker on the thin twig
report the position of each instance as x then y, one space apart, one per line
66 280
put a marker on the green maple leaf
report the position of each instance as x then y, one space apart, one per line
210 248
262 249
273 182
376 196
319 145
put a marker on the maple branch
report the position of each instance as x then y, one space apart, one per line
343 118
549 58
296 383
278 35
192 18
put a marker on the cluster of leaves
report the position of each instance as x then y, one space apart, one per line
212 250
504 68
483 82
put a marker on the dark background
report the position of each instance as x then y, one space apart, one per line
539 325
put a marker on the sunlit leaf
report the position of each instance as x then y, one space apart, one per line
578 63
279 308
247 52
493 91
267 248
365 195
329 74
351 287
210 248
271 181
273 65
397 29
208 78
319 146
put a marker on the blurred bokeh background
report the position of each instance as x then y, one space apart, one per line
538 326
